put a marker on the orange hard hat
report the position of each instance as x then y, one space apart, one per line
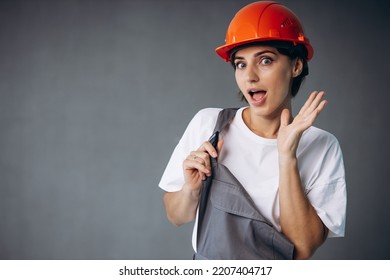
264 21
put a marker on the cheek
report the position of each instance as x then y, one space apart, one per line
283 79
239 81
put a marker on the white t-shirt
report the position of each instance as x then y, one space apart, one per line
254 162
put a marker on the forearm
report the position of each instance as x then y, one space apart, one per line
298 219
181 206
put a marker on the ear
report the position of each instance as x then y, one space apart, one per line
297 67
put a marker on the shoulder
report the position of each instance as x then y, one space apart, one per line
315 135
205 117
320 153
207 113
200 127
317 143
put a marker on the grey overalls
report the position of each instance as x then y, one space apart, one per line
229 224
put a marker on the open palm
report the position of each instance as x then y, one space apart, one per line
291 130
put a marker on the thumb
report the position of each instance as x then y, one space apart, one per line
219 145
285 117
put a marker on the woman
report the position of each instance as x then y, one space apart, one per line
292 171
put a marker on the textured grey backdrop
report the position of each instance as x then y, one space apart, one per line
94 96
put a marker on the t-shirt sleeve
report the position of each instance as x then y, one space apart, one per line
330 204
198 130
327 188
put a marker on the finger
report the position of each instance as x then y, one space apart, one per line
208 148
322 105
191 163
316 101
312 102
317 111
285 117
202 158
308 102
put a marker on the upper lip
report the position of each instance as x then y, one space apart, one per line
252 91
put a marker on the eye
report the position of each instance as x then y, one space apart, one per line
240 65
266 61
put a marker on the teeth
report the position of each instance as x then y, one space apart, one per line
254 91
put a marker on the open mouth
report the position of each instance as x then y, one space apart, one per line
257 95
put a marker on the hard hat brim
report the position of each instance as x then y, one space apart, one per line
224 51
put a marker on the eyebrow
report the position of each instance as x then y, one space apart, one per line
256 54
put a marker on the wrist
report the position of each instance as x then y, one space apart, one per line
190 192
287 160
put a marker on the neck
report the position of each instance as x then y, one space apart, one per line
264 126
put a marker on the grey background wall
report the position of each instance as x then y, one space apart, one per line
94 95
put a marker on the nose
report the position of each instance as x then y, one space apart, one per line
251 74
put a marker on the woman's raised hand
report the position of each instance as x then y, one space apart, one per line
291 130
